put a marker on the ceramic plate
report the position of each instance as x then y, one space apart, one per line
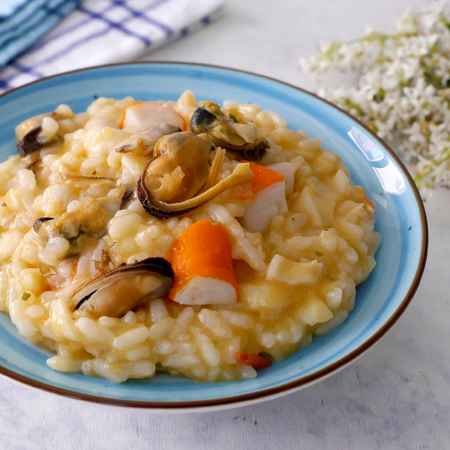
400 219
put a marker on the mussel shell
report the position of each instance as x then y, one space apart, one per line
39 222
202 120
159 188
113 294
208 118
186 151
30 142
126 198
154 208
242 173
179 168
251 153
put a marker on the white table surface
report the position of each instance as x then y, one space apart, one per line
395 397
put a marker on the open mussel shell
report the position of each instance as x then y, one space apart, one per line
180 166
163 210
175 181
177 172
116 292
156 208
241 139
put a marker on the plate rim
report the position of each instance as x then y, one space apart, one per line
284 388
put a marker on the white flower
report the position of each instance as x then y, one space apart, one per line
402 90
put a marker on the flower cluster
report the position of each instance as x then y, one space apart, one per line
401 89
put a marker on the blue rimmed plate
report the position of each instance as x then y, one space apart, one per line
400 219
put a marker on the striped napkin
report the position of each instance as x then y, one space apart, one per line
23 23
91 32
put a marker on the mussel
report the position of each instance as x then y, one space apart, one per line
124 288
37 224
239 138
91 219
30 136
179 167
173 182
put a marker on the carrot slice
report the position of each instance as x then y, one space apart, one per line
263 177
203 250
257 361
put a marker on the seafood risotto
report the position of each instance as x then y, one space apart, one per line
181 237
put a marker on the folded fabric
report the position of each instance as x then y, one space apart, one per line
27 23
106 31
7 7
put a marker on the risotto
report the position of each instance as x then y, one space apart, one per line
180 237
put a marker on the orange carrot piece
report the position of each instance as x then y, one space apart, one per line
257 361
263 177
203 250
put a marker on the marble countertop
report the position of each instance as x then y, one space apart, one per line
395 397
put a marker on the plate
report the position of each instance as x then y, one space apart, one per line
400 219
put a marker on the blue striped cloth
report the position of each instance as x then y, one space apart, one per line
89 32
8 7
27 22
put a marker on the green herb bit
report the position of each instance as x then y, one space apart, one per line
380 95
